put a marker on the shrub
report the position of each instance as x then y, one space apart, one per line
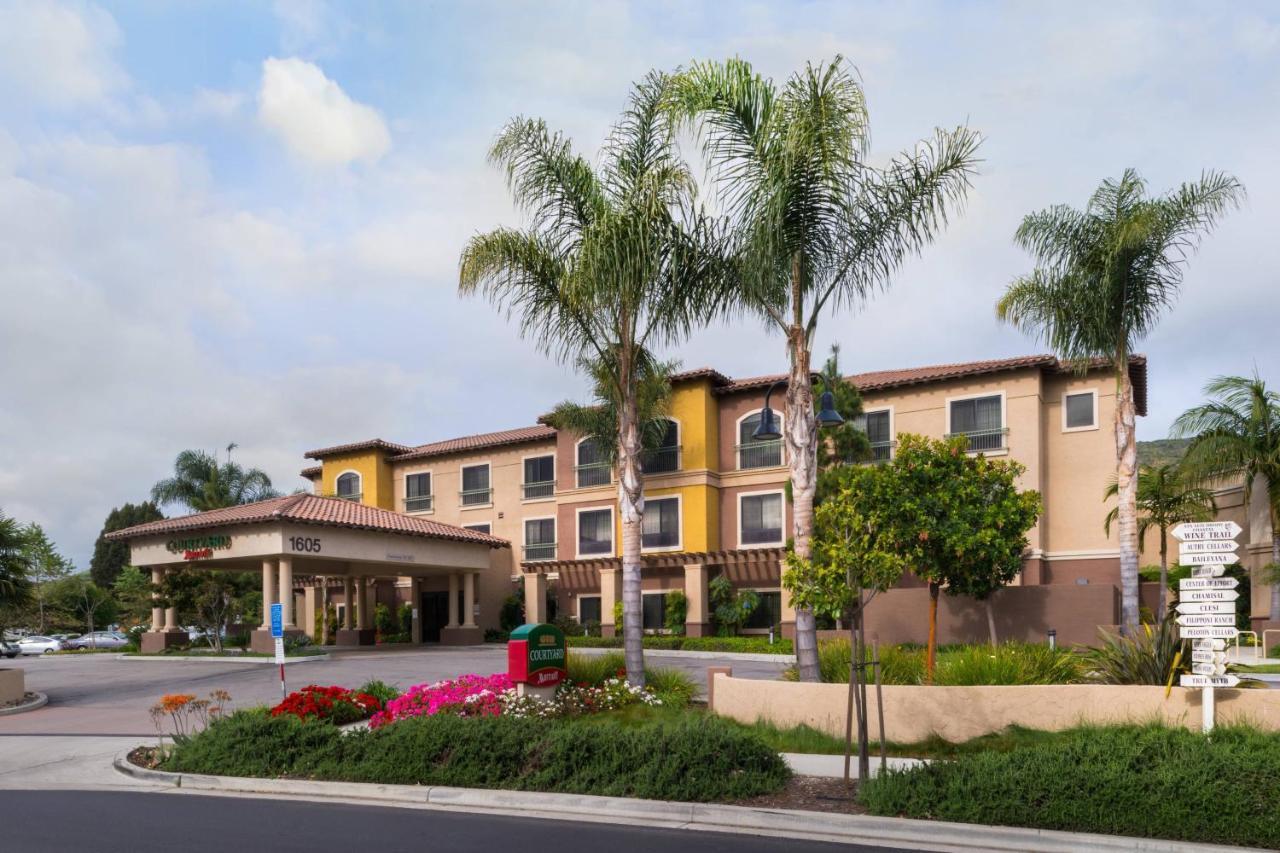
383 619
405 616
617 618
511 616
379 690
750 644
591 628
673 686
677 611
594 669
1142 781
334 704
466 695
730 608
567 624
493 635
898 664
700 760
1145 658
1010 663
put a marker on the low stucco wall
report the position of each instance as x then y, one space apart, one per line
11 685
959 713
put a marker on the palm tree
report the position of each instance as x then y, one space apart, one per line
1238 433
816 226
1165 499
201 483
15 567
617 261
1103 278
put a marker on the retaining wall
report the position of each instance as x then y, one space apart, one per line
914 713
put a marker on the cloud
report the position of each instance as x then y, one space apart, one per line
59 54
315 119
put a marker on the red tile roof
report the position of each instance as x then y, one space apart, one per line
520 435
369 444
717 378
313 509
312 472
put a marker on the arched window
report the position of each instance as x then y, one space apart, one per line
349 486
757 453
592 466
666 456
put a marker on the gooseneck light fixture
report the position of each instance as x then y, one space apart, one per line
767 429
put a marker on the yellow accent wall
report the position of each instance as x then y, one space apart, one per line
699 515
376 484
694 407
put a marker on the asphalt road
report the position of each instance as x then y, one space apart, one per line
78 821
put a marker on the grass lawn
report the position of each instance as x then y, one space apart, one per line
1260 669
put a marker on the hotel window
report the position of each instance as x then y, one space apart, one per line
593 464
475 485
661 527
760 519
666 456
1080 411
348 487
588 609
539 477
595 532
417 493
481 526
754 453
981 420
879 433
768 613
540 539
654 611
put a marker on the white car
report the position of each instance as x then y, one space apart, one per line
38 645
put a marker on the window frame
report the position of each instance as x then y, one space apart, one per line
893 436
1093 392
577 532
737 441
678 447
1004 418
578 606
462 480
577 473
524 538
679 546
432 508
358 495
661 629
476 525
782 540
544 455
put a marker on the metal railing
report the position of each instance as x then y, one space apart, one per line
539 489
419 503
984 439
540 551
593 474
350 496
661 460
760 454
475 497
882 451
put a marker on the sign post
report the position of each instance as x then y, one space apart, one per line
1206 605
277 631
536 660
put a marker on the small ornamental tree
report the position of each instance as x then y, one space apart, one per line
856 554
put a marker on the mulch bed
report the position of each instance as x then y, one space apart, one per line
145 756
26 699
810 793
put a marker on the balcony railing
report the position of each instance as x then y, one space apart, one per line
593 474
476 497
984 440
760 454
540 489
419 503
540 551
349 496
661 460
882 451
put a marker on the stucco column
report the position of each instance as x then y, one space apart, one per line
363 616
697 620
453 600
157 612
312 608
535 597
348 604
469 600
415 600
170 614
268 592
609 595
286 592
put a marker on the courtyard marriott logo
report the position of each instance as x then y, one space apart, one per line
198 547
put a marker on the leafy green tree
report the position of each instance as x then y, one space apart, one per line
730 608
110 556
1104 276
46 566
210 600
77 601
201 483
618 261
816 225
1165 500
15 569
848 443
132 593
1237 434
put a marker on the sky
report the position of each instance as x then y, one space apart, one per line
241 221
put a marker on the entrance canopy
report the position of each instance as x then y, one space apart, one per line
319 536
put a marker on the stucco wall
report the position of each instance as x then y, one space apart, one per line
11 685
959 713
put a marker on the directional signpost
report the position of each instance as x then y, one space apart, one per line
277 631
1206 604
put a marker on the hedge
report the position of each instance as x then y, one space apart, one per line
695 760
741 645
1145 781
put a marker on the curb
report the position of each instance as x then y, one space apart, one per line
783 823
219 659
39 702
696 655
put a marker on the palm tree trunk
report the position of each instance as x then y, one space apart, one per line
1127 489
1164 574
631 506
802 454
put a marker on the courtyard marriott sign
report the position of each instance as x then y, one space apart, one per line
198 547
535 655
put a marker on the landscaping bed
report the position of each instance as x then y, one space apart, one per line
739 645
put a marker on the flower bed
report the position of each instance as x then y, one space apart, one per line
333 704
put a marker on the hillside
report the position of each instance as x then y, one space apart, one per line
1162 450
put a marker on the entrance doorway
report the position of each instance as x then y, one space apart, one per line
435 615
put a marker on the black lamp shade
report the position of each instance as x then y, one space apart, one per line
767 430
827 414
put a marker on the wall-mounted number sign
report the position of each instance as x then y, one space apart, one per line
306 544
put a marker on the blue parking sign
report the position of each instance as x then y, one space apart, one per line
277 620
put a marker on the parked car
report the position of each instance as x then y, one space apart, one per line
98 640
40 645
9 650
